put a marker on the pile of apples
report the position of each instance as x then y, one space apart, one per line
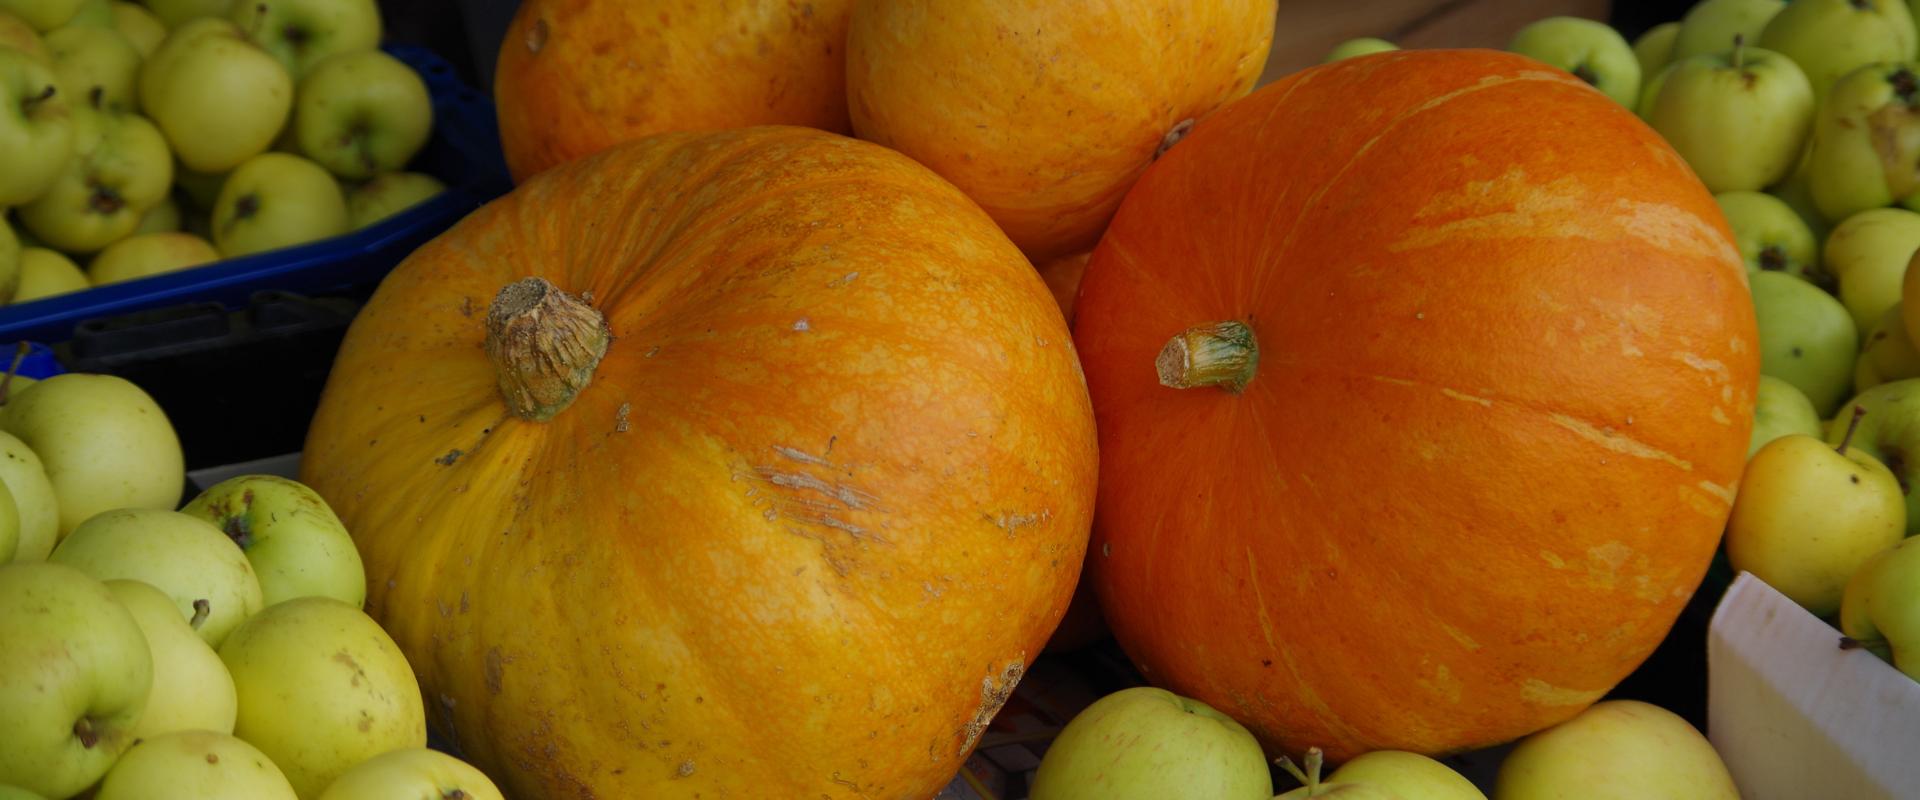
157 137
218 651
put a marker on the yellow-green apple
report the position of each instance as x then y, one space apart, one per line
1868 254
93 14
43 15
1591 50
1881 610
204 765
1890 432
201 190
141 28
1796 190
1806 337
1365 45
277 200
149 254
191 689
32 497
218 97
74 676
211 584
96 67
45 273
1886 352
9 526
177 13
1654 48
1830 38
1866 141
362 113
1771 236
1311 786
322 688
17 34
1410 775
1144 742
1616 749
303 33
1709 27
104 442
1780 409
9 261
37 130
17 793
120 168
162 218
298 547
389 193
1807 515
409 774
1739 117
1910 299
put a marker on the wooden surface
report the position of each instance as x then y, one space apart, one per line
1308 29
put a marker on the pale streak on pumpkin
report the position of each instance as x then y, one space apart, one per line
1513 206
1457 395
1723 492
1442 683
1460 636
1534 690
1617 442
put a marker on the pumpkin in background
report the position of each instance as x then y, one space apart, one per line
1469 366
1043 111
577 76
742 464
1063 278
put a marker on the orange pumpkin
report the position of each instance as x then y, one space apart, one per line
1043 111
1423 384
577 76
741 464
1063 278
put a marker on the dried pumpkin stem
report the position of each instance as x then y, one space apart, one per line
545 345
1222 354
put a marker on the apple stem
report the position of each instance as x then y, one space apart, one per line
1309 777
20 352
83 730
44 95
201 610
1850 643
1739 51
1852 425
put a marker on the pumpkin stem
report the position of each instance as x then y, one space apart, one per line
1222 354
1309 777
545 345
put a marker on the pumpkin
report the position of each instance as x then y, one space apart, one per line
574 77
1045 112
1063 278
1423 383
741 464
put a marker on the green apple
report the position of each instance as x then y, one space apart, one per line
16 793
1881 610
96 67
149 254
277 200
1312 787
322 689
1359 47
30 496
1771 236
1886 352
120 169
1830 38
1890 432
104 442
296 544
17 34
162 218
43 15
1868 254
9 262
36 130
9 526
92 14
177 13
1739 118
1149 743
200 189
191 689
1409 775
303 33
1654 48
1709 27
1623 749
412 773
1779 409
1591 50
204 765
1806 337
1866 141
184 556
389 193
45 273
141 28
74 676
362 113
218 98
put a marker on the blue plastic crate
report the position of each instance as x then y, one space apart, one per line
464 153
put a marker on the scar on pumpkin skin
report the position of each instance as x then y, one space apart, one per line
992 696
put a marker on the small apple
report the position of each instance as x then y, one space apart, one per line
296 544
96 67
39 139
9 262
120 169
141 28
1868 254
1771 236
162 218
17 34
1806 337
1149 743
17 793
303 33
1779 410
1739 118
1711 24
362 113
45 273
1591 50
1866 141
1363 46
1881 610
1616 749
176 14
412 773
218 98
201 190
191 689
1410 775
322 689
1886 352
184 556
32 498
43 15
137 257
92 14
1796 190
1890 432
204 765
1830 38
388 194
1311 786
277 200
104 442
1654 48
9 526
74 677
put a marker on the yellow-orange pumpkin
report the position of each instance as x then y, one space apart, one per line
576 76
1502 364
810 516
1044 111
